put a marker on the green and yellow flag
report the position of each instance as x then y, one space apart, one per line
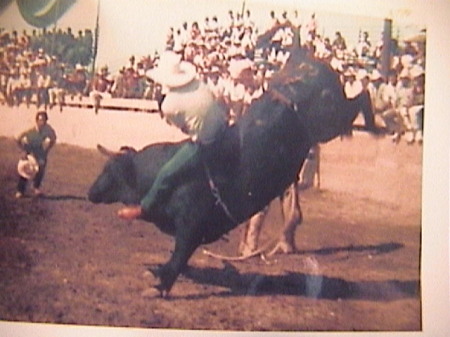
43 13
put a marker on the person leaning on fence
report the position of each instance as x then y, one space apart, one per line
57 91
190 106
100 87
366 102
387 103
417 109
374 85
36 144
12 91
43 83
405 95
411 102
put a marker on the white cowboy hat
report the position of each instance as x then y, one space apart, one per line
350 72
376 75
416 71
361 73
404 73
238 68
172 72
406 60
214 70
28 168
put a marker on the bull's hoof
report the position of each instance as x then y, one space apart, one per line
156 291
161 289
156 271
282 248
163 292
166 277
151 293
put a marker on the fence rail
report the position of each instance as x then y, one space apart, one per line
139 105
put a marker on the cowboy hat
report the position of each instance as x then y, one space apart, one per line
28 168
406 60
350 71
240 69
375 75
361 73
417 71
404 73
172 72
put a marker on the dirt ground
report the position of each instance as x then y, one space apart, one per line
64 260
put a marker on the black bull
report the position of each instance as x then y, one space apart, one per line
254 163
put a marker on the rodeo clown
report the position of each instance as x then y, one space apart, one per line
191 106
36 144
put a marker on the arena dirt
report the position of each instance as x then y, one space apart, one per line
64 260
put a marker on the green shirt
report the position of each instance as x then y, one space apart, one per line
33 141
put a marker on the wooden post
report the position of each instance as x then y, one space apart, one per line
387 45
95 46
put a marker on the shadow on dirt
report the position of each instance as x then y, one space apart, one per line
308 285
63 197
383 248
300 284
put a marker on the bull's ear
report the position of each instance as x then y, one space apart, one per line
125 149
109 153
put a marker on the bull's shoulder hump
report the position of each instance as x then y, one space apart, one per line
162 146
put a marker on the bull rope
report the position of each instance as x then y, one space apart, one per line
216 194
260 252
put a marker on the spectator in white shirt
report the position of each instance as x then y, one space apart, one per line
356 87
241 76
405 93
389 96
352 86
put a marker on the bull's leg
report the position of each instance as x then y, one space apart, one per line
186 242
292 217
249 242
310 169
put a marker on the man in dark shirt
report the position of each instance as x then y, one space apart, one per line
36 141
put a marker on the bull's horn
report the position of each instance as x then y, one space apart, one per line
109 153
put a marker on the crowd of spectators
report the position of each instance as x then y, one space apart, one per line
43 66
232 56
237 62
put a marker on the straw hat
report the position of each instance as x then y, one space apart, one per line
28 168
172 72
